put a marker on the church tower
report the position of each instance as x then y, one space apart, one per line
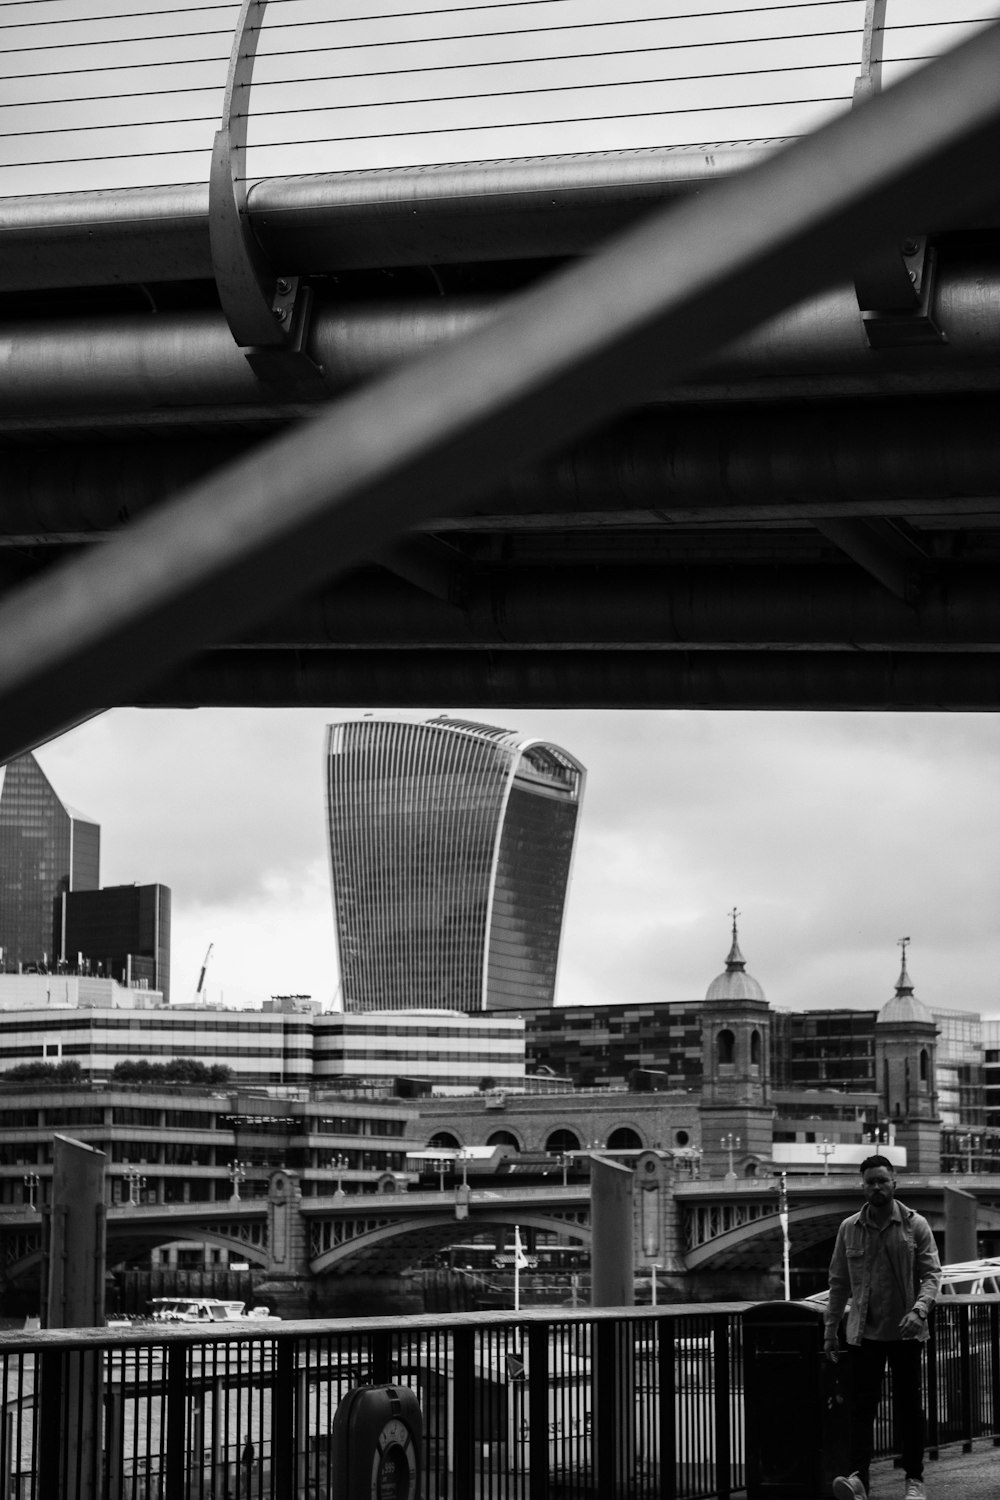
905 1074
736 1112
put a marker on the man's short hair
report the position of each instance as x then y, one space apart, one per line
877 1161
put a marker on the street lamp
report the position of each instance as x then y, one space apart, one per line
565 1159
441 1166
825 1149
730 1143
463 1158
237 1174
967 1143
31 1184
340 1164
136 1184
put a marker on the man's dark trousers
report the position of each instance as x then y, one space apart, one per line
866 1366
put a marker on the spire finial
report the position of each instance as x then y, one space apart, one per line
903 984
735 959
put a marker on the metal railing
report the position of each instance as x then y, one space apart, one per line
644 1403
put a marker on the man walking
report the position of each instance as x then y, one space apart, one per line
886 1262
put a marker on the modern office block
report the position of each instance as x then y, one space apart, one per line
46 848
443 1051
450 852
122 931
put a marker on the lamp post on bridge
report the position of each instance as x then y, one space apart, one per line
237 1174
136 1184
462 1194
825 1148
339 1164
730 1143
968 1143
31 1186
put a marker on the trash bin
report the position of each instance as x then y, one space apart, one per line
794 1404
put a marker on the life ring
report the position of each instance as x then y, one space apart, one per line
394 1463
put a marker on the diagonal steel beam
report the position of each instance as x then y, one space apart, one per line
568 355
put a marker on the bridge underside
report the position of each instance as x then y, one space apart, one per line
808 518
389 1249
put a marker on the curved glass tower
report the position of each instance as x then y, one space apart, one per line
450 853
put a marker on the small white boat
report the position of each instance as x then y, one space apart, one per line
207 1310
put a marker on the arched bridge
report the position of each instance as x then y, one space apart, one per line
716 1225
339 1235
740 1227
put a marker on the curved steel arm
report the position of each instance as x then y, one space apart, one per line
267 314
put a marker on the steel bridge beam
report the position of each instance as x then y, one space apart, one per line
906 458
565 357
176 368
588 678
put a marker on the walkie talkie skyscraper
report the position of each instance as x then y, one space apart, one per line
450 852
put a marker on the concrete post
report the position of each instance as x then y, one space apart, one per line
75 1294
612 1259
960 1225
72 1380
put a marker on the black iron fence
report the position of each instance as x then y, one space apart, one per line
550 1403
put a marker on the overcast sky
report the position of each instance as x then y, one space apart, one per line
131 94
834 835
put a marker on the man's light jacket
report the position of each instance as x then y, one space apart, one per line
913 1261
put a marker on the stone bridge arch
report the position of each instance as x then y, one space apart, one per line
387 1242
756 1242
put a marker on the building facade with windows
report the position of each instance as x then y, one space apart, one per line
444 1052
97 1023
122 931
46 850
186 1145
451 845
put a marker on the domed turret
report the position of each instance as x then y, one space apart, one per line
905 1072
904 1006
735 1106
735 983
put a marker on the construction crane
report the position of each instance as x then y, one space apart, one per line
204 966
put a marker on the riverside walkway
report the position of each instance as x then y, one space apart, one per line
954 1475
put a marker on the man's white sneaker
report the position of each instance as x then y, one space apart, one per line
851 1488
914 1490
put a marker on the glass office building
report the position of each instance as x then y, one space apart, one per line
122 931
46 848
450 852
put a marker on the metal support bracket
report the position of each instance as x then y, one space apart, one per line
896 296
896 290
267 314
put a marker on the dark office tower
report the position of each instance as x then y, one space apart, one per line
45 849
122 931
450 853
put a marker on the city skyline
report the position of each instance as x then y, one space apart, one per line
834 834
